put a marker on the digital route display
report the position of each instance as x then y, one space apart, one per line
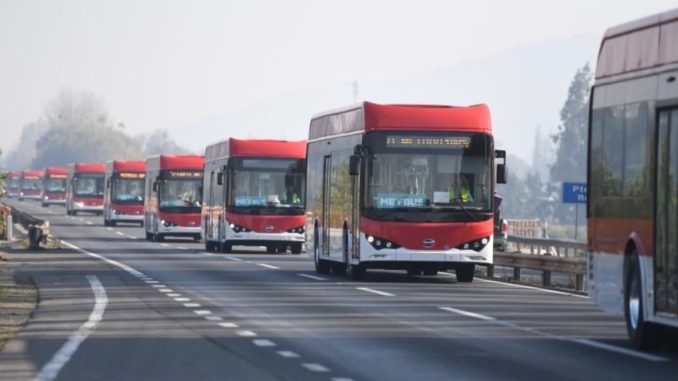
132 175
185 174
422 141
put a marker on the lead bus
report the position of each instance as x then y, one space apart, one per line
54 186
13 183
254 195
124 193
406 187
30 184
85 188
173 196
633 177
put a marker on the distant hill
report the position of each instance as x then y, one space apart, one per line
524 86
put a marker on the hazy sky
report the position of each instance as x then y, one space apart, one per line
169 64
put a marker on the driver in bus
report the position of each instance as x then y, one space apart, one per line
460 190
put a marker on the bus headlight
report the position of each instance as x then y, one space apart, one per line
237 228
475 245
380 243
298 230
167 223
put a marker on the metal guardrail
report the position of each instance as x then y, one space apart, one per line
547 255
38 229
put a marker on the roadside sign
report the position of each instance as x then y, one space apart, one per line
574 193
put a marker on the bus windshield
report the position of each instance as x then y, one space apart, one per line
127 191
431 177
180 195
88 186
55 185
30 184
267 185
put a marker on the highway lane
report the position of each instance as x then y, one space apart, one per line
389 327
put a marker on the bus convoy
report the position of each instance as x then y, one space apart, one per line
54 186
633 177
124 192
30 182
173 196
85 188
253 193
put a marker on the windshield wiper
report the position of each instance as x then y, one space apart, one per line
466 211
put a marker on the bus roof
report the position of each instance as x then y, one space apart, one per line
87 167
256 148
14 174
644 44
34 173
175 162
56 171
368 116
126 166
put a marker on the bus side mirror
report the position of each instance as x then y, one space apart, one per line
501 173
354 165
220 178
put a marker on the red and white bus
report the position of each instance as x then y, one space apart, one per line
85 188
405 187
633 176
254 195
31 184
54 186
13 184
124 193
173 196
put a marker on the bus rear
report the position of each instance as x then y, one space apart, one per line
173 196
124 192
401 187
31 184
85 188
254 195
54 186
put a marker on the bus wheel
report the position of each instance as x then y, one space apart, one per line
430 271
321 266
105 222
642 334
226 247
209 246
413 271
296 248
149 236
465 272
159 237
270 249
112 223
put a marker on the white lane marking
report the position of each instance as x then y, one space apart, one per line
51 370
264 343
192 305
152 281
532 288
214 318
206 253
245 333
367 289
341 379
228 325
165 244
158 285
268 266
131 237
202 312
89 223
182 299
120 233
165 290
309 276
109 261
174 295
232 258
109 229
288 354
313 367
182 248
590 343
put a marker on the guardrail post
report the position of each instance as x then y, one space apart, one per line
516 274
546 278
579 282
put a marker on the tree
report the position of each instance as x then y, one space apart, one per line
21 157
160 142
571 141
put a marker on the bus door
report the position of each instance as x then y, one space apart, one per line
355 214
327 188
666 214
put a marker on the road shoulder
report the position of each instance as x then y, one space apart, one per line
18 298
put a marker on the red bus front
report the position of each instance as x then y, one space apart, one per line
12 184
54 186
124 196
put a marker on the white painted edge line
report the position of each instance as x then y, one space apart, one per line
51 370
192 305
120 233
182 248
532 288
367 289
165 290
151 282
264 343
288 354
165 244
109 261
245 333
174 295
590 343
268 266
314 277
158 285
182 299
228 325
214 318
232 258
131 237
90 223
341 379
313 367
202 312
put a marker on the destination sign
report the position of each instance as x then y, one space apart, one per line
132 175
423 141
57 176
185 174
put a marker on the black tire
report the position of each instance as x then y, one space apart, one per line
149 236
209 246
466 272
321 266
112 223
642 335
270 249
296 248
158 237
45 205
226 247
430 271
413 272
106 222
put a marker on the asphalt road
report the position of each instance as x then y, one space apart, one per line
171 311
